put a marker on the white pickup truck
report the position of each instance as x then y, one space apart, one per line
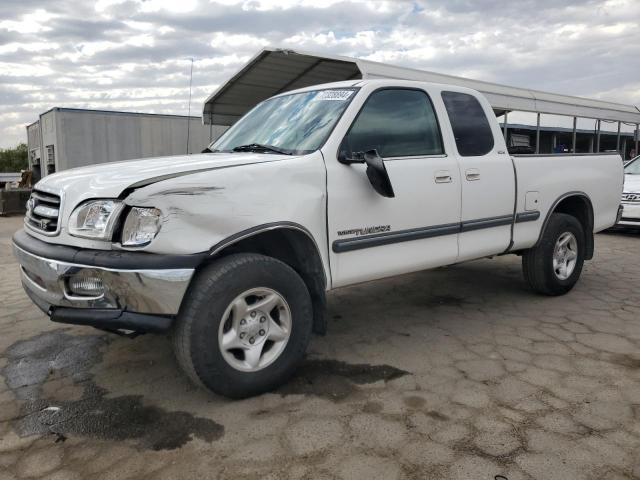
232 251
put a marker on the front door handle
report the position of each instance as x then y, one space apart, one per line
472 174
443 176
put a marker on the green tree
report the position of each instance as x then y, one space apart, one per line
14 159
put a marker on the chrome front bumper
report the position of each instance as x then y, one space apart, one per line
149 291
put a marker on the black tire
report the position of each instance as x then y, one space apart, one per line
195 333
537 262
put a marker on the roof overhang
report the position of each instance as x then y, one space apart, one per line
273 71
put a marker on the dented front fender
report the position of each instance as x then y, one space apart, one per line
202 209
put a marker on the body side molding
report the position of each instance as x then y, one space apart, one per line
527 216
388 238
470 225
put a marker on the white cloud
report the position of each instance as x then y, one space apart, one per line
402 56
173 6
364 40
223 40
27 47
266 5
91 48
225 60
29 23
143 26
102 5
618 28
24 70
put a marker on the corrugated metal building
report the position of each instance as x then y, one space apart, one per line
64 138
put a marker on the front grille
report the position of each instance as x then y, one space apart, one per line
631 197
43 212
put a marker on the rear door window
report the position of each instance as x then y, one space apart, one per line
396 123
471 128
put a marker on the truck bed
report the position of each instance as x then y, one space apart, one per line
599 176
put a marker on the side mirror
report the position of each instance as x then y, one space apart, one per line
376 171
377 174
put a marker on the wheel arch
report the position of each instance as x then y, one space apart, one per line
578 205
292 244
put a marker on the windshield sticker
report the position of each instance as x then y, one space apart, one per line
339 95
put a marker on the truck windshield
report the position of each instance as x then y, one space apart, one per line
293 124
633 167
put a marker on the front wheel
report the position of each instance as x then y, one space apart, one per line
245 325
554 266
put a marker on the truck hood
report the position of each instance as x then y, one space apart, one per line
109 180
631 183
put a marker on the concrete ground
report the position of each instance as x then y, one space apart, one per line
456 373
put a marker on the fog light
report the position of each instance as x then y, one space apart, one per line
86 286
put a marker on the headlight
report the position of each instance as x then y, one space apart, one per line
95 219
141 226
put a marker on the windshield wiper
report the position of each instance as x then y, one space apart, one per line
259 147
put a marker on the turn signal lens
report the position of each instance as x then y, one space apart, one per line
141 226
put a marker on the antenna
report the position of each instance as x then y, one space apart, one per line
189 111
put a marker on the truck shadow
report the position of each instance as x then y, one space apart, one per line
622 232
478 282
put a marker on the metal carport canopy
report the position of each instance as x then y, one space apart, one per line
275 70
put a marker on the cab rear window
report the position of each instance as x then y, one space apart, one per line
469 123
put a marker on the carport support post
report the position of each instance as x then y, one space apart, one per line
618 139
598 137
573 137
538 133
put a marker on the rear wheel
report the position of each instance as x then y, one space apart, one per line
554 266
245 325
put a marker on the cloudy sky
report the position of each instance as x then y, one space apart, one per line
134 55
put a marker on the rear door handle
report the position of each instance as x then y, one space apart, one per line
472 174
443 176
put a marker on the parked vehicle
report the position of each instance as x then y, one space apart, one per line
233 251
631 195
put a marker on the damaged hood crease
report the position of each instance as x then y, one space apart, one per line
110 180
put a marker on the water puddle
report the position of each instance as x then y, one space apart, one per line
94 414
